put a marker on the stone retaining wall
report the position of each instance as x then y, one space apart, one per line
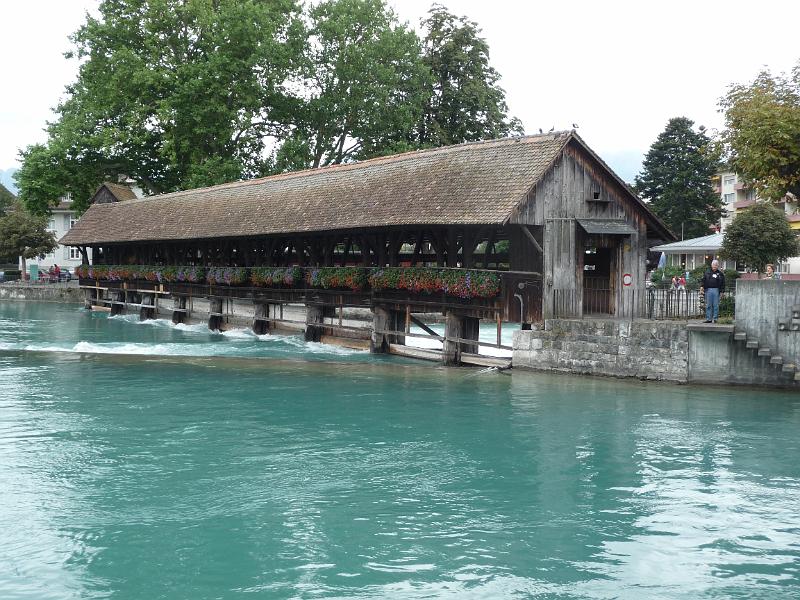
68 294
642 349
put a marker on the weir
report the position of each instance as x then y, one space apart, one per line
516 230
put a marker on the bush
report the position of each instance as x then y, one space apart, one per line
226 275
456 282
353 278
276 277
663 277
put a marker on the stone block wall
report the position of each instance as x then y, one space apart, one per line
642 349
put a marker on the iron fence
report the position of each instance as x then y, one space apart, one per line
653 303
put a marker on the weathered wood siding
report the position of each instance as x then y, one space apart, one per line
578 187
104 196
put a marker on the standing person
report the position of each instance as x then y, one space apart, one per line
57 273
682 283
771 274
713 284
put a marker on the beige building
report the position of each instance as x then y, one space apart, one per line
63 218
737 196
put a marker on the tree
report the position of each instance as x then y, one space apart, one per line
676 179
361 86
6 199
464 101
759 236
763 133
25 235
185 93
173 93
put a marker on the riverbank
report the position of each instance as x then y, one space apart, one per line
64 293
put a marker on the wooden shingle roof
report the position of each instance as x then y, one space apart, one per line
468 184
473 183
120 192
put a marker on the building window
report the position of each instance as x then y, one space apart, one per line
74 253
728 198
729 180
72 221
51 224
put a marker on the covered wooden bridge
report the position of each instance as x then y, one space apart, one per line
512 230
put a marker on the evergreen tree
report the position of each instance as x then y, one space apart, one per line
6 199
464 101
759 236
676 179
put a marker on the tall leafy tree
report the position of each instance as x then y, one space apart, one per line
25 235
759 236
360 88
465 102
676 179
763 132
174 93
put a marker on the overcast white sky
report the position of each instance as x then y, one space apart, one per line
617 68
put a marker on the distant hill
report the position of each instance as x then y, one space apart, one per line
7 180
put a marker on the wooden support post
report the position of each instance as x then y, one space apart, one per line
148 309
314 320
425 328
118 299
385 319
261 325
179 309
452 247
531 239
215 314
499 327
451 351
462 327
470 328
89 297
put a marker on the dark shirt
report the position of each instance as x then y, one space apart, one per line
713 279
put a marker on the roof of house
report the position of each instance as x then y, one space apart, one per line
711 242
119 191
469 184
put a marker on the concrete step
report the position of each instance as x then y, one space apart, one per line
740 336
752 344
776 360
788 368
764 352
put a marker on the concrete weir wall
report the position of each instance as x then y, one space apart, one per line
658 350
41 293
642 349
716 357
761 306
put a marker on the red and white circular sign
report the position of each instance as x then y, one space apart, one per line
627 279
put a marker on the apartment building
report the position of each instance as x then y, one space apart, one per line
737 196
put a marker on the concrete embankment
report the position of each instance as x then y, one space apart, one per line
58 292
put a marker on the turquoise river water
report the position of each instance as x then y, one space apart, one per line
151 461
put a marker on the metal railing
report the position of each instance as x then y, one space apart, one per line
653 303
